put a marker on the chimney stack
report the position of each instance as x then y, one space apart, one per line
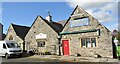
49 18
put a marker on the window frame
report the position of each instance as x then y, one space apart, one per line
76 19
95 42
39 44
96 45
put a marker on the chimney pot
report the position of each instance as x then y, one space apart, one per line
49 18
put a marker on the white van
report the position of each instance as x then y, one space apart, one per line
9 48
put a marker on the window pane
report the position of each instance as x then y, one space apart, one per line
41 44
88 42
83 42
93 40
79 22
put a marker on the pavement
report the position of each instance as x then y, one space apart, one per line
54 59
74 58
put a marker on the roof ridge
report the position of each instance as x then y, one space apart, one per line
20 31
19 25
57 22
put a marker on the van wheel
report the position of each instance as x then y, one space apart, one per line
6 56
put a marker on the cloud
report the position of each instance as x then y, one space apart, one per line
103 11
102 16
90 3
114 27
86 5
106 10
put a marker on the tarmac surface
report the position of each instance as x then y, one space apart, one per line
75 59
54 59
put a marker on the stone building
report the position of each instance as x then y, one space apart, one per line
43 35
17 33
1 31
84 35
80 34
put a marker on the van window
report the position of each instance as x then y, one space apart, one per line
4 46
12 45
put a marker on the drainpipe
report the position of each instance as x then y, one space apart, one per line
24 46
59 43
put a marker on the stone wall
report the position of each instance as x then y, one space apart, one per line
104 44
40 26
104 41
11 33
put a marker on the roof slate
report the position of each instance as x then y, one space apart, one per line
63 22
21 31
54 25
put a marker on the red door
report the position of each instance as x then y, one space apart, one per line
65 47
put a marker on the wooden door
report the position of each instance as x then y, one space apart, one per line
65 47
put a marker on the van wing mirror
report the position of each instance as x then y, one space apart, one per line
4 46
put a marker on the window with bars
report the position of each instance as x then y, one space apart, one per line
88 42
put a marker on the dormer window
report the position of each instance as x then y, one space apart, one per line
79 22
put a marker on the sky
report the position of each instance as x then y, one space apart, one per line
24 12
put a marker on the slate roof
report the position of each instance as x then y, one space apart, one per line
63 22
57 27
54 25
21 31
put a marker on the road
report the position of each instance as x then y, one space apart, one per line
32 60
26 60
29 60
